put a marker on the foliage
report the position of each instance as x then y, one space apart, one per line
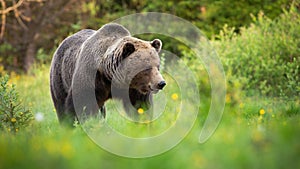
211 15
265 57
13 115
199 71
235 14
42 57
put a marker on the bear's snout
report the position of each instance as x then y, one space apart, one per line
161 85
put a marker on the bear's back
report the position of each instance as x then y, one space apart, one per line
71 47
113 30
86 42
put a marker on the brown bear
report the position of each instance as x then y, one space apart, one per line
95 63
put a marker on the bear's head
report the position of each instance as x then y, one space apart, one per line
135 63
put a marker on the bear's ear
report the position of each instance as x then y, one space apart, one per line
128 49
156 43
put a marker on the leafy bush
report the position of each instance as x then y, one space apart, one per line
13 115
265 57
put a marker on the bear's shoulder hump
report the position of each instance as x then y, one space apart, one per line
113 29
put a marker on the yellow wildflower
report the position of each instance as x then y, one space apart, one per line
174 96
13 120
140 111
17 130
262 112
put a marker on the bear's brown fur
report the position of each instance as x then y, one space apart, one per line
93 63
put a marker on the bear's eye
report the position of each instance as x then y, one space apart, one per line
148 69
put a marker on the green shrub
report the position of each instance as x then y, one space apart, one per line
13 115
265 56
200 73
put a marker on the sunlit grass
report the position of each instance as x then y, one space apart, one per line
253 133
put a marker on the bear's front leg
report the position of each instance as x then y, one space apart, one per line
85 104
103 111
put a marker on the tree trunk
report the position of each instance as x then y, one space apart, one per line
29 56
35 27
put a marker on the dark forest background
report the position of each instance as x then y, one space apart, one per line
32 29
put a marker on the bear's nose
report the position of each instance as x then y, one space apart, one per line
161 84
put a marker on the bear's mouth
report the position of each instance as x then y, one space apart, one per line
145 90
148 89
152 90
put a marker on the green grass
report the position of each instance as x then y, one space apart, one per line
244 138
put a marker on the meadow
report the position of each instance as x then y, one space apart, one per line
256 133
259 128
